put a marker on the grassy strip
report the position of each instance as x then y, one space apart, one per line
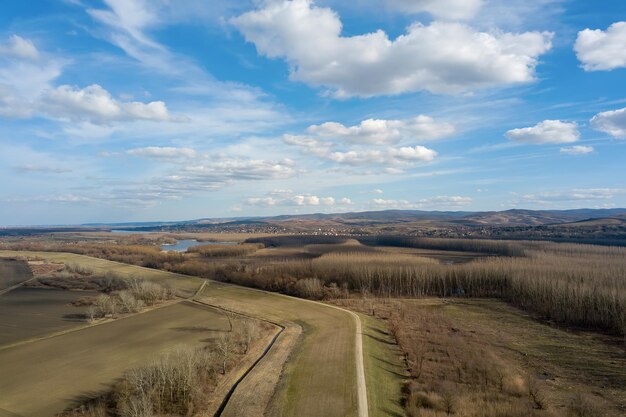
384 370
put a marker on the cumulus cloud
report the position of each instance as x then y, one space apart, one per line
441 9
288 198
19 47
96 105
546 132
380 131
612 122
577 150
371 141
430 202
391 156
163 152
441 57
599 50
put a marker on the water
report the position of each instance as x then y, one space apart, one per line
183 245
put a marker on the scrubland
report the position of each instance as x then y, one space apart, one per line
473 358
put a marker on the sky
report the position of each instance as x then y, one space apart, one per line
148 110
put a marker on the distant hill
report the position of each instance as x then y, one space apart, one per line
514 217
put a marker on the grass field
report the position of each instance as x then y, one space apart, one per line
482 357
570 361
46 376
319 378
13 272
384 370
185 285
26 313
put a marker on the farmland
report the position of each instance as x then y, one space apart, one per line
98 355
27 313
312 330
13 272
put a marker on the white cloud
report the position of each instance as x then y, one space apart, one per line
577 150
389 156
163 152
600 50
546 132
19 47
370 141
23 77
577 194
96 105
380 131
437 202
442 9
313 146
612 122
441 57
288 198
378 191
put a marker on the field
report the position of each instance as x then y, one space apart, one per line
81 364
483 357
516 328
384 369
319 378
185 285
27 313
307 386
13 273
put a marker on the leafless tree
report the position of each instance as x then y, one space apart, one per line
225 349
250 332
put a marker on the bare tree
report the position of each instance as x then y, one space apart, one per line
250 332
225 349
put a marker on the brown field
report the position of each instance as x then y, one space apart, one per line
484 358
13 272
69 368
27 313
185 285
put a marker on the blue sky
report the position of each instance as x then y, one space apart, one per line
132 110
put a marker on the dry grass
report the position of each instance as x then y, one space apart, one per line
481 358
